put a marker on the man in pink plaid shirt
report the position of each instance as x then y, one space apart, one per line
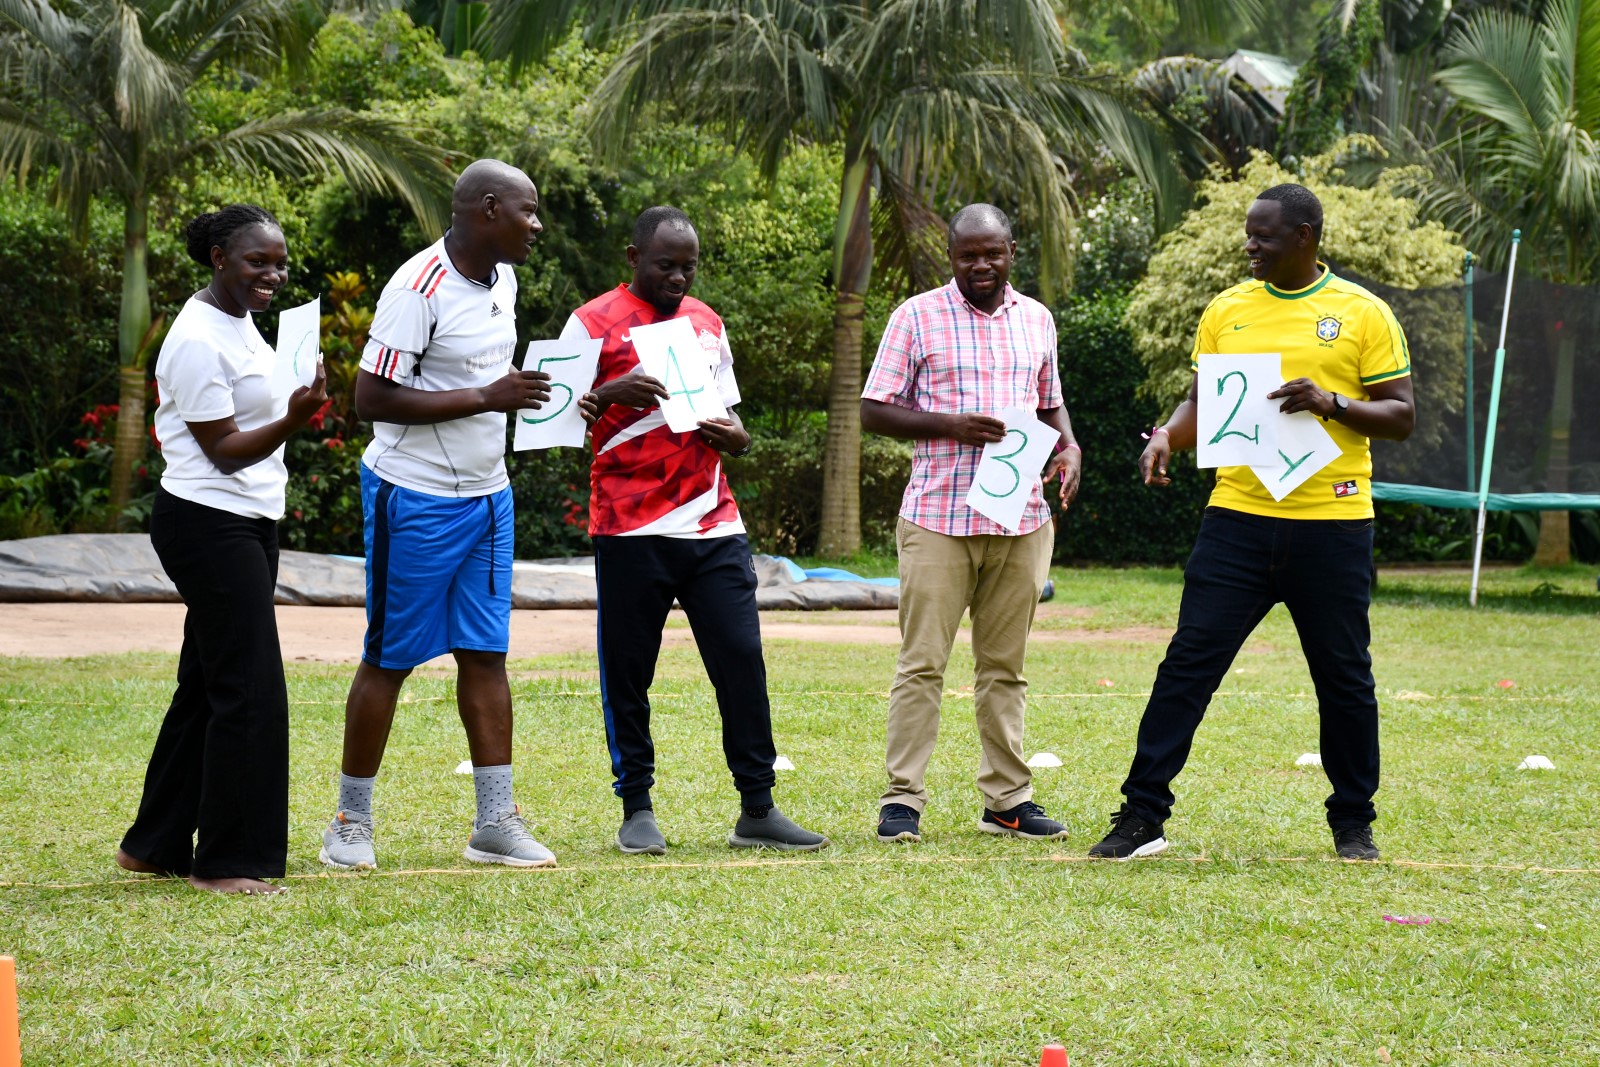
950 359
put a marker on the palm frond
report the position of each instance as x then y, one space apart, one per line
145 88
907 235
1494 68
255 35
753 78
374 155
1211 114
905 38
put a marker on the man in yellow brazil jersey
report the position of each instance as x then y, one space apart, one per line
1346 361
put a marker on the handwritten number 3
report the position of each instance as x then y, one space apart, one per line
1016 475
553 385
1223 431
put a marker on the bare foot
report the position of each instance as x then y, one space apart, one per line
250 887
139 866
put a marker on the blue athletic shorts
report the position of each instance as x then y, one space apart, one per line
438 573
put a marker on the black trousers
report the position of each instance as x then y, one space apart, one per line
220 769
715 582
1321 570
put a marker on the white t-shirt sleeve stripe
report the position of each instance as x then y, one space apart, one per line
575 330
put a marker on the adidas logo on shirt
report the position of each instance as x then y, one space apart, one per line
494 309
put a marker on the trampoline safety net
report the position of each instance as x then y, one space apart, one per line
1547 442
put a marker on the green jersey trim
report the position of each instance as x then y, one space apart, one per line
1327 276
1387 375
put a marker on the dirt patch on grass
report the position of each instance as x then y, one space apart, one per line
333 635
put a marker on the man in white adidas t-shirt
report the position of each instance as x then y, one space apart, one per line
437 381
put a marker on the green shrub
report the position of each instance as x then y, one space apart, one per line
551 487
779 485
1116 518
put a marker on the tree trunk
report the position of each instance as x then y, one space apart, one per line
1555 527
852 270
133 334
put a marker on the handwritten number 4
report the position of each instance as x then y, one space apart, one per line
685 392
552 412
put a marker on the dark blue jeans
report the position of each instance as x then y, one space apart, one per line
1321 570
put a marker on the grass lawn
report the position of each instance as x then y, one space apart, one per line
1246 943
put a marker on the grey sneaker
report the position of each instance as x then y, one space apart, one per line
507 841
347 843
774 830
639 833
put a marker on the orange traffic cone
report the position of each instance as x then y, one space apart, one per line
10 1032
1053 1056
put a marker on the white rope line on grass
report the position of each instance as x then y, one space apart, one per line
834 861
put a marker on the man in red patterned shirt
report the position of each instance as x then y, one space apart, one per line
950 359
665 527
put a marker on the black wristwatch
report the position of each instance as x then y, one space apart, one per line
1340 406
745 451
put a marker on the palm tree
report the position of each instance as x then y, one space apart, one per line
95 98
1525 153
931 101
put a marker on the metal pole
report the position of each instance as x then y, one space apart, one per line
1494 417
1472 414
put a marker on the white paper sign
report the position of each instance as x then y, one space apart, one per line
1237 424
1009 469
299 345
571 366
1304 448
671 353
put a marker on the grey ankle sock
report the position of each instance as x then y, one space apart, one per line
493 786
355 794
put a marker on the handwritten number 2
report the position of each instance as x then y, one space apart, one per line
1016 475
553 385
1223 431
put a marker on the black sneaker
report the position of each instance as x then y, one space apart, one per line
1025 820
1355 843
899 822
1129 838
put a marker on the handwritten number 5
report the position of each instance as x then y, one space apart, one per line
553 385
1016 475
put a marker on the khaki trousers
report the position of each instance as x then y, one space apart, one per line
999 578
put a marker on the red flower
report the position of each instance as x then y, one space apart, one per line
316 421
314 478
142 471
334 442
297 513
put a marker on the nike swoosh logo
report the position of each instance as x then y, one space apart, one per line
1237 328
1012 825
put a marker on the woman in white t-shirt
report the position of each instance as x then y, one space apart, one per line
216 794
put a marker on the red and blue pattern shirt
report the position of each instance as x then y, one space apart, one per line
941 354
647 480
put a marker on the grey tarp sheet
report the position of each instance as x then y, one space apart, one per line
124 568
